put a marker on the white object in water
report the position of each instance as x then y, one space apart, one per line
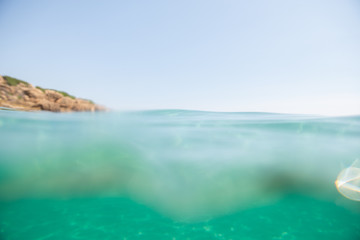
348 181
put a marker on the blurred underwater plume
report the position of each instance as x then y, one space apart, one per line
185 164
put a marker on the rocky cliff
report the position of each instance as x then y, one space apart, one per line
21 95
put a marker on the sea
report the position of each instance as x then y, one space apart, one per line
176 174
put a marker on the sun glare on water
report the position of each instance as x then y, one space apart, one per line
348 181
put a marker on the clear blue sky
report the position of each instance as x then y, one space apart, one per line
274 56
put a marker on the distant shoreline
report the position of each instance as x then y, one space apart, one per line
20 95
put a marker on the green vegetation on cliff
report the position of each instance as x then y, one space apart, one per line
65 94
14 81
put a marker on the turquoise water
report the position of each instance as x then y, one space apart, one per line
175 174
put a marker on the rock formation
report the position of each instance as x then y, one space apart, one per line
21 95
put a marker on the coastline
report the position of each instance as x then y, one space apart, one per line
22 96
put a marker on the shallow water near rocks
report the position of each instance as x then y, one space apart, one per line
175 174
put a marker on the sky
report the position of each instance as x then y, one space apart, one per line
281 56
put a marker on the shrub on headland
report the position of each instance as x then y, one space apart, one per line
65 94
14 81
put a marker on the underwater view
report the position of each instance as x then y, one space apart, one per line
178 174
